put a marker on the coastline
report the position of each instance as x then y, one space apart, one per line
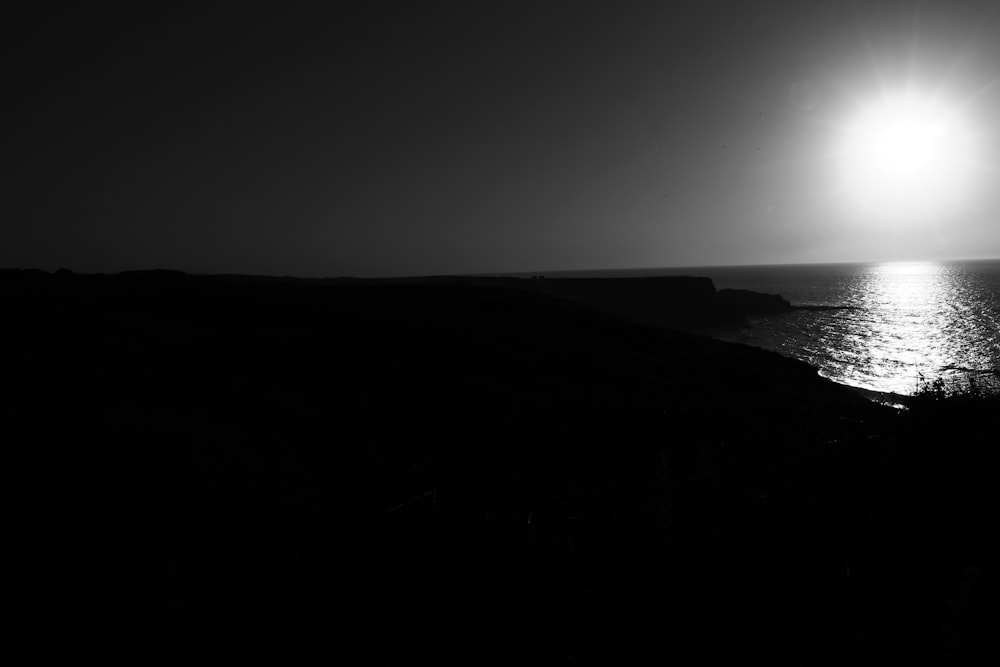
413 471
885 398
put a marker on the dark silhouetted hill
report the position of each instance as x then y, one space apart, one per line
236 469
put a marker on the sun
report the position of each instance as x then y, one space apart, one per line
906 158
902 143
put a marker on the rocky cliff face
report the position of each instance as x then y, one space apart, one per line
746 302
679 302
683 302
687 303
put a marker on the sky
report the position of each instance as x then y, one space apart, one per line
391 139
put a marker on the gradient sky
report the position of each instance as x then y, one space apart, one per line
395 139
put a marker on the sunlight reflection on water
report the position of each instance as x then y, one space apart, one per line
919 320
892 325
906 323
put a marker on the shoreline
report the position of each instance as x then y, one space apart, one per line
885 398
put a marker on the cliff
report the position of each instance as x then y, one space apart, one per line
683 302
686 303
746 302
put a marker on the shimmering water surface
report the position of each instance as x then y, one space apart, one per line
895 325
900 324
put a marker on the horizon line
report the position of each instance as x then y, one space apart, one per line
486 274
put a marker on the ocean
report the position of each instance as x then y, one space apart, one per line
893 327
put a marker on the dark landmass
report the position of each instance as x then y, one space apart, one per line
823 307
235 470
747 303
687 303
681 302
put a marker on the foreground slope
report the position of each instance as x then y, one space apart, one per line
205 469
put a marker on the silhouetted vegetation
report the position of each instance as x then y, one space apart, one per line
223 470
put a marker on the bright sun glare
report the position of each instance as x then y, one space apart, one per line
906 158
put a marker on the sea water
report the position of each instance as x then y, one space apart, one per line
889 327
